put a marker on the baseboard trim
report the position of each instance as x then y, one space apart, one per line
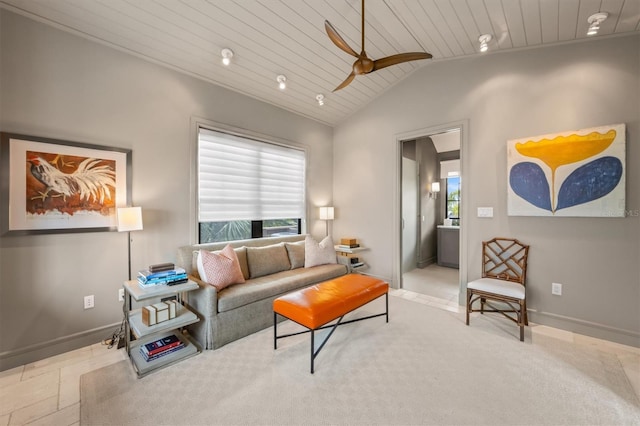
589 328
426 262
38 351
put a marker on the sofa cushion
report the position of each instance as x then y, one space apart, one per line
321 253
267 260
241 252
296 254
276 284
220 269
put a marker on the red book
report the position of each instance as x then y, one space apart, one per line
161 345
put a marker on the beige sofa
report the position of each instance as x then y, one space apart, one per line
242 309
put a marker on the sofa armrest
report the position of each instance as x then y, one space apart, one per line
204 300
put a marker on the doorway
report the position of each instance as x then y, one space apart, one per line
430 213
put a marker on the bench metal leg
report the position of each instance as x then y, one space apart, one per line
275 330
314 352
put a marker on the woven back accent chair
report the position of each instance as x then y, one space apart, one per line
504 271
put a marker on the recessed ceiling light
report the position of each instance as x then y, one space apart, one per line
484 40
594 22
320 99
227 54
282 81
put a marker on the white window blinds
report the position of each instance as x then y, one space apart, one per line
244 179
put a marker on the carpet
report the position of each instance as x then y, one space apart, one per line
423 367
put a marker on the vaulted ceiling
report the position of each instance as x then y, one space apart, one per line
273 37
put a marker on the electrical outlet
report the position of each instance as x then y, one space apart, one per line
556 289
88 302
121 295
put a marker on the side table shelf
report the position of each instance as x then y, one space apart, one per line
345 255
143 334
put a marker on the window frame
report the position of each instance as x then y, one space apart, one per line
447 200
200 123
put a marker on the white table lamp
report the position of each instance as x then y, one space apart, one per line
129 219
326 214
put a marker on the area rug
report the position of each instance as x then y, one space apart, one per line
423 367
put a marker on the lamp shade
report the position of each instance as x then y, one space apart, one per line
129 219
326 213
435 187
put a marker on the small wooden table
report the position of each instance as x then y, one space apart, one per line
316 306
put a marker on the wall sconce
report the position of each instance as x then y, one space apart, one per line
435 188
129 219
327 214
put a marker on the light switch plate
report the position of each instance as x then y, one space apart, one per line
485 211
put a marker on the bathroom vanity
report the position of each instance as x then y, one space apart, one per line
449 246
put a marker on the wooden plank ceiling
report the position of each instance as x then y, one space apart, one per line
272 37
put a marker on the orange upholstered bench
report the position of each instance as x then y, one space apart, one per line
314 307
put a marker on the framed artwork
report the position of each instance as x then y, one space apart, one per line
55 186
578 173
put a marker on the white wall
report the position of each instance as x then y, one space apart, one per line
502 97
56 85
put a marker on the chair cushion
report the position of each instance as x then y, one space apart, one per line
501 287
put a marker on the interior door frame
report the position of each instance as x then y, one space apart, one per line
463 125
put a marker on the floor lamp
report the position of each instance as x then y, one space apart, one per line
129 219
326 214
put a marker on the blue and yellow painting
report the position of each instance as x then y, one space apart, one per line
577 173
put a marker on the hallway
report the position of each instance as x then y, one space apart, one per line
434 281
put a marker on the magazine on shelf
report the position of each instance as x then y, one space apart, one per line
160 345
150 358
148 275
166 280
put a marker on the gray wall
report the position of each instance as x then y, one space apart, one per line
429 207
57 85
501 97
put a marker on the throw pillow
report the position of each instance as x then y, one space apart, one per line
318 253
220 269
296 254
267 260
241 252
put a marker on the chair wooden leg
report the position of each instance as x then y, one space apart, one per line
522 317
468 305
526 314
482 301
522 333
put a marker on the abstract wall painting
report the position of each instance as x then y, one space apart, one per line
52 186
576 174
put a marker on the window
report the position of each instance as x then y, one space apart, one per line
248 188
453 198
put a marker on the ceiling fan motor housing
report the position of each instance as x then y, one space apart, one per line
363 65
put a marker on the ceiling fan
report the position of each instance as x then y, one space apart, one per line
364 64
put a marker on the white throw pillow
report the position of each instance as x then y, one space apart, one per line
318 253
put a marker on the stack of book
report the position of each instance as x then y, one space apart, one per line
161 347
347 245
165 274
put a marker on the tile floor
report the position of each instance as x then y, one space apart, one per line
436 281
47 392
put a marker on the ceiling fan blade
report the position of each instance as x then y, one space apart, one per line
346 82
337 40
398 59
